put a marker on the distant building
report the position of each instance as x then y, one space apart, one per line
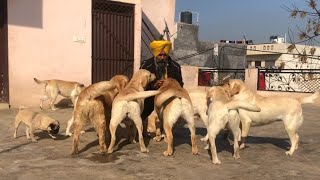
279 54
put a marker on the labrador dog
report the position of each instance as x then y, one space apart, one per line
35 121
200 106
55 87
174 102
223 112
273 108
129 104
94 105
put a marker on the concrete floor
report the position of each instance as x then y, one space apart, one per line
263 159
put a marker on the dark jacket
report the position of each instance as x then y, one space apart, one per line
173 71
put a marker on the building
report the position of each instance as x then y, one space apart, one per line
283 55
85 41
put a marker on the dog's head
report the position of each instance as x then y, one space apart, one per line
234 86
54 127
218 93
144 76
120 82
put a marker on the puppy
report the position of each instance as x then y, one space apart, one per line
34 121
174 102
222 111
129 103
94 105
64 88
272 108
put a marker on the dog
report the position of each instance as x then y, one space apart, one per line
55 87
35 121
273 108
200 106
94 105
129 104
174 102
223 112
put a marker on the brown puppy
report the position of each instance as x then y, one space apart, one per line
272 108
33 121
128 104
64 88
95 108
174 102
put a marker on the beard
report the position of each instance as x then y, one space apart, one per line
161 69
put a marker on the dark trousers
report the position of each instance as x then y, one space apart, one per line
148 107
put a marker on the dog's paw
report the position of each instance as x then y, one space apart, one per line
288 153
158 138
34 141
242 146
195 151
216 161
166 153
144 150
203 139
110 151
207 147
236 156
69 134
82 132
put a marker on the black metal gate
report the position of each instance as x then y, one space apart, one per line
112 39
4 79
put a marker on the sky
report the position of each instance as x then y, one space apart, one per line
257 20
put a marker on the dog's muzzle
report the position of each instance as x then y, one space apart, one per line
54 128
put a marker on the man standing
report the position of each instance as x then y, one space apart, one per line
163 67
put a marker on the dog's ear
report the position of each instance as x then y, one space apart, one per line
235 89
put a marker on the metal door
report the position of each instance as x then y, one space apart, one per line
112 39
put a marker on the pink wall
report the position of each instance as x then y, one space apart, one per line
41 44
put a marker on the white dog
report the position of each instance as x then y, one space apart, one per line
224 112
129 103
272 108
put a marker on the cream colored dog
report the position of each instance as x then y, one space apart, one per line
200 106
272 108
129 103
55 87
174 102
222 111
35 121
94 105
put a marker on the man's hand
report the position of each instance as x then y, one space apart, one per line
159 83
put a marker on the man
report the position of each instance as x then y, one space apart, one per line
163 67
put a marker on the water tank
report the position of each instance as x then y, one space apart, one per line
186 17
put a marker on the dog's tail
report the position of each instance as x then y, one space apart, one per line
140 95
40 82
164 96
309 99
234 105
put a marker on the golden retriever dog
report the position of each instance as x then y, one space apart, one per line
174 102
129 104
94 105
35 121
55 87
120 81
223 112
273 108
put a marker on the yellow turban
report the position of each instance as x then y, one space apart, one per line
161 45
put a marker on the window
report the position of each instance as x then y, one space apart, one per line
257 63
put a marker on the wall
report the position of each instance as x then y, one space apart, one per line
41 45
155 13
